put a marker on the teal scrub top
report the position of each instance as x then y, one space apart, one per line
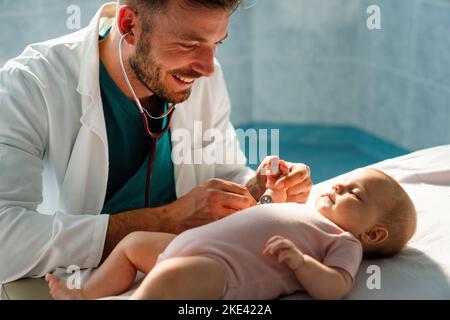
129 151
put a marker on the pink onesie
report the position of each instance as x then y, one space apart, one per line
238 240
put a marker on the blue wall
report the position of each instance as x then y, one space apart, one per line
315 62
404 73
27 21
310 62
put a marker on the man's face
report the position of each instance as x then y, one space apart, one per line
353 204
178 49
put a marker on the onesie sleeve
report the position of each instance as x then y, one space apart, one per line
345 253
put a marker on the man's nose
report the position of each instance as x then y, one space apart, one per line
205 62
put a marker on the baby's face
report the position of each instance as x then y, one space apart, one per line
353 203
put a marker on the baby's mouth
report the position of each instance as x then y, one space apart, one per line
330 196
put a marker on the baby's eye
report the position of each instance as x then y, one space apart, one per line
355 194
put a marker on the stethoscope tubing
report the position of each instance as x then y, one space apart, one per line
155 137
144 114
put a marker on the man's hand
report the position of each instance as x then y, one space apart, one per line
285 250
211 201
295 178
278 195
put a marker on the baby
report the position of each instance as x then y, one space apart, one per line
265 251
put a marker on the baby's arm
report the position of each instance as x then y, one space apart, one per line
319 280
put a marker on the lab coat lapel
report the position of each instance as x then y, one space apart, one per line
184 173
86 177
88 84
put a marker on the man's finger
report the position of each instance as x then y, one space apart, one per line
301 187
231 189
228 186
223 212
297 175
271 181
284 168
233 200
272 162
299 198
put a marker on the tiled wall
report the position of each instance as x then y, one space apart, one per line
310 62
235 56
316 62
404 73
27 21
303 61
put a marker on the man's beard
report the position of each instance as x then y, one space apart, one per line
148 71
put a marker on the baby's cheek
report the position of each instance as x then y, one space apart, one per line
324 209
323 204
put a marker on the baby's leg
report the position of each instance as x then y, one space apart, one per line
183 278
138 251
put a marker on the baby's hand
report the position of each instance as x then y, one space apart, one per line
285 250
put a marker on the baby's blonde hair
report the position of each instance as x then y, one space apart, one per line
398 215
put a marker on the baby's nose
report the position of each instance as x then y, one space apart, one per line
338 188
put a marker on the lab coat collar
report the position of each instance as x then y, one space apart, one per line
88 84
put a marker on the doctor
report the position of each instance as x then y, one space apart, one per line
76 152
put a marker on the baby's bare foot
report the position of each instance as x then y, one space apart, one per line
60 291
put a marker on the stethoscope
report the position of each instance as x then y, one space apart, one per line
144 114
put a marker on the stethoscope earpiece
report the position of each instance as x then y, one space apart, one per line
124 35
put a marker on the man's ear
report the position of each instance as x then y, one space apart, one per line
375 236
126 18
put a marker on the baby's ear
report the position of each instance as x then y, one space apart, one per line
375 236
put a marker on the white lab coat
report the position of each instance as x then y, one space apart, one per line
54 152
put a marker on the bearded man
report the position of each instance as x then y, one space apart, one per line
87 129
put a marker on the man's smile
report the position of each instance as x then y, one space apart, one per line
183 82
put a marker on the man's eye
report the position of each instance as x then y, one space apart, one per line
189 46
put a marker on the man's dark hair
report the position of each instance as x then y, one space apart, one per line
149 7
155 5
